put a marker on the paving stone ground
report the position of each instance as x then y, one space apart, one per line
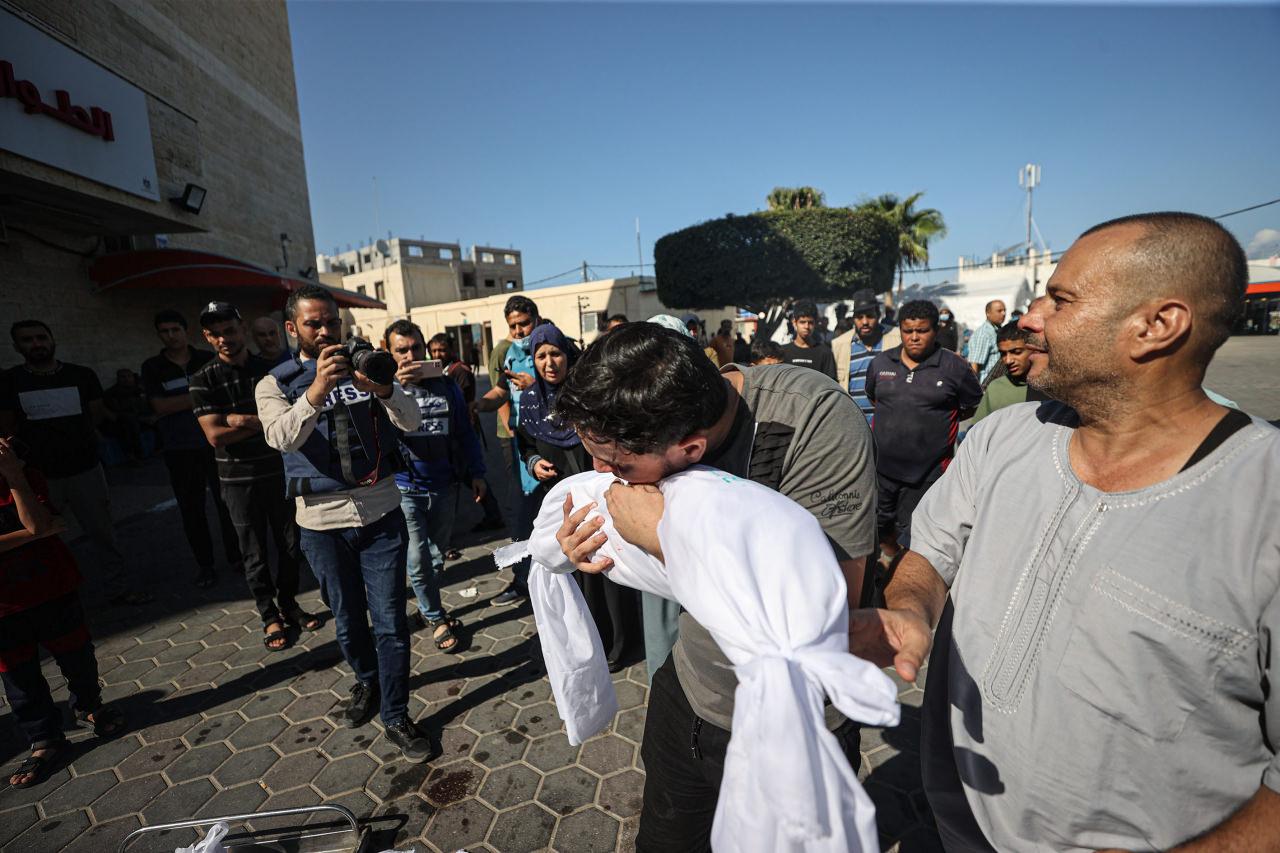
219 725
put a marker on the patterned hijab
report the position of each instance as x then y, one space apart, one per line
537 400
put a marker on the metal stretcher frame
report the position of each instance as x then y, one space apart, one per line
342 812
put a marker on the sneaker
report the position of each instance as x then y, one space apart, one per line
414 746
362 703
510 595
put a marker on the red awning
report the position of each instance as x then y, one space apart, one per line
1260 287
187 269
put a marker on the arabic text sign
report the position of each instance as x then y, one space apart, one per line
62 109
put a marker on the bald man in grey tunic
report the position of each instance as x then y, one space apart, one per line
1104 575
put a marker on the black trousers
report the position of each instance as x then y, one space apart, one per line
191 473
256 507
896 500
684 763
58 625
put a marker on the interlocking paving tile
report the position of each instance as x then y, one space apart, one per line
144 651
588 831
151 758
14 822
526 828
538 720
630 724
294 770
213 729
53 833
310 707
345 774
303 736
128 797
78 792
266 704
463 824
180 802
345 741
103 836
530 694
604 755
499 748
564 791
212 654
243 766
491 717
318 681
241 799
454 742
551 753
453 783
194 763
183 652
413 810
621 793
510 786
257 732
397 779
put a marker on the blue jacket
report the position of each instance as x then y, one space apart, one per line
445 447
353 444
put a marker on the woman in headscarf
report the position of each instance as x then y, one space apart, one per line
552 451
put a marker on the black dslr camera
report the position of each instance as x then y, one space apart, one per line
378 365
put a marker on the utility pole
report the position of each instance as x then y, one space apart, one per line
377 214
639 250
1029 179
584 270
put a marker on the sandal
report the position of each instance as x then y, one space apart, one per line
442 633
275 637
37 766
453 554
106 721
206 578
306 621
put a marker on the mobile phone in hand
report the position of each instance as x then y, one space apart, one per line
432 369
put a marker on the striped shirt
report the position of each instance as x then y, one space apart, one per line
219 388
859 360
983 350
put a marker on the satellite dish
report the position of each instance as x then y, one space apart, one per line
382 247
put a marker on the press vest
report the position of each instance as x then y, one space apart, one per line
432 449
352 445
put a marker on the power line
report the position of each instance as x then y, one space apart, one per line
1247 209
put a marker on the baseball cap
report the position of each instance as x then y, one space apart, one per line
217 311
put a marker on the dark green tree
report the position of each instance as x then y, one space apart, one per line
763 261
795 198
915 228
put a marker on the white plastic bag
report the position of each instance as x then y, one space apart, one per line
211 843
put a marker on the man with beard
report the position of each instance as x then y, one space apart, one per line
647 404
337 429
1104 671
251 474
53 407
806 349
921 394
166 377
854 349
1010 387
270 341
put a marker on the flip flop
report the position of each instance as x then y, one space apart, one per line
106 721
38 766
305 621
276 636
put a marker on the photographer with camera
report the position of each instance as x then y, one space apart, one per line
334 412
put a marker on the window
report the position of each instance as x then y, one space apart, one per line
512 284
379 292
486 257
368 259
593 321
469 280
446 254
415 251
488 282
509 260
360 290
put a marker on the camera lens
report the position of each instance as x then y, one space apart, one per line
376 364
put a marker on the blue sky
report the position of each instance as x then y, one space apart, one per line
552 127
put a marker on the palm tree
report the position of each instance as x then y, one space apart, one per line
915 228
795 198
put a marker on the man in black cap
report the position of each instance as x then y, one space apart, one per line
251 473
192 471
854 349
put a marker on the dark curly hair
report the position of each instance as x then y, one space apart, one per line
919 309
642 387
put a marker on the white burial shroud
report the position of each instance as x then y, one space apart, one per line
756 570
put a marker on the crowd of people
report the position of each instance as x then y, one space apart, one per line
1088 571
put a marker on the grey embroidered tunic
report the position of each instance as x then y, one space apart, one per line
1105 681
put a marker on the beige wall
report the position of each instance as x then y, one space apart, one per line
558 304
224 114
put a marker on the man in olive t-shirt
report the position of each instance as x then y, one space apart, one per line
647 404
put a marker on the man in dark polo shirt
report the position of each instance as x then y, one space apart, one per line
165 379
921 393
251 473
53 408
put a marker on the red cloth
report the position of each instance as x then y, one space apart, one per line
39 571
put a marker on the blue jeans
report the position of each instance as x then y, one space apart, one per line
429 516
363 569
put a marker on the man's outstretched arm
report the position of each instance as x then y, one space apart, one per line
901 635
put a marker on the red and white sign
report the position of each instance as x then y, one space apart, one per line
61 108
